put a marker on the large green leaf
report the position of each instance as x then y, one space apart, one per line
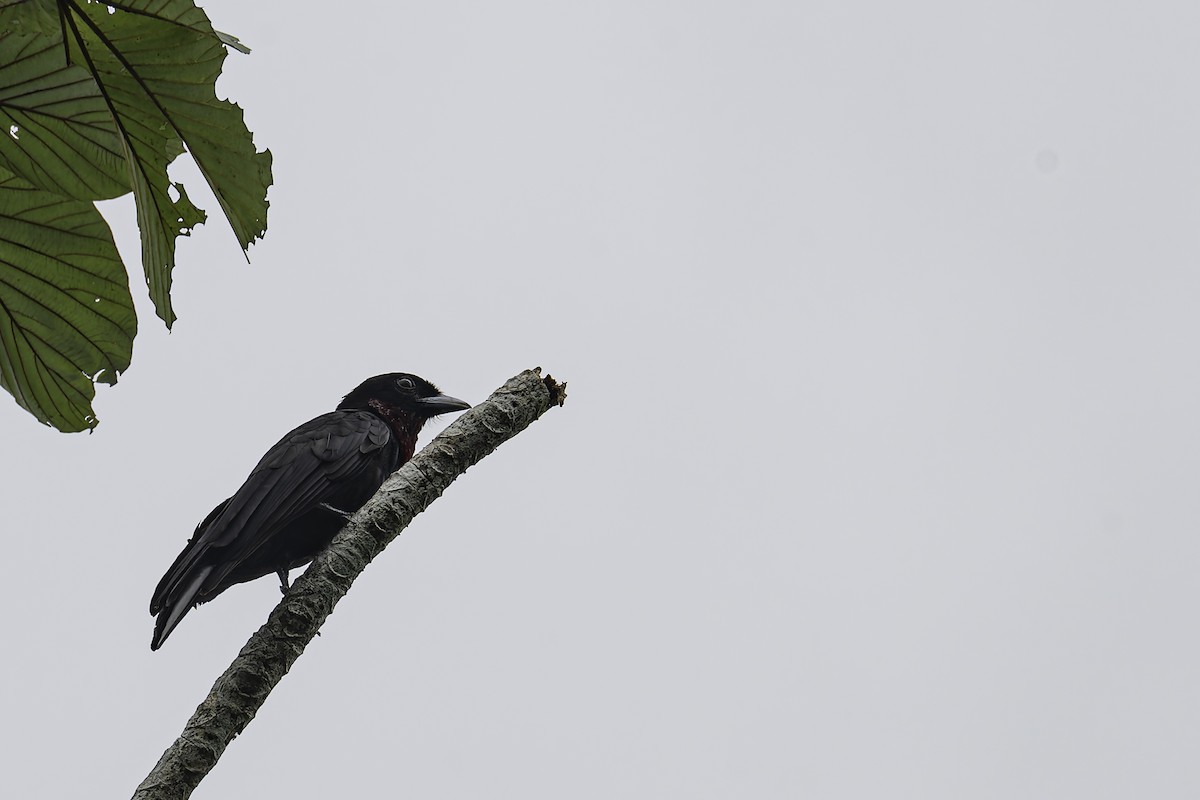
149 53
66 315
156 68
98 99
61 134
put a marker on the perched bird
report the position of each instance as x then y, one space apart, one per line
300 494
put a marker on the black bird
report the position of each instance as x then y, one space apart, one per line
300 494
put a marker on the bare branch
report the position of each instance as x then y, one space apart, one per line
239 693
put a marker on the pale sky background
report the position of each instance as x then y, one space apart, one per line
878 474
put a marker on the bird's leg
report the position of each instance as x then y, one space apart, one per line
284 585
345 515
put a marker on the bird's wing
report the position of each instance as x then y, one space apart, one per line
302 470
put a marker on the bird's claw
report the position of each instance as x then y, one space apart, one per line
343 514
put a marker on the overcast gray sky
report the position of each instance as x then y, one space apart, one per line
878 474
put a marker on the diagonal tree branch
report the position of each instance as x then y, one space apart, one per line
239 693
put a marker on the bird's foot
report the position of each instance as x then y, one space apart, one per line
284 584
343 514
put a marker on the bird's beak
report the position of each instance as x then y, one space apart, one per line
442 404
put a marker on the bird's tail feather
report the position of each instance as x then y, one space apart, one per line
183 562
176 606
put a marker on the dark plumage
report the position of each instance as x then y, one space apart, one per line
300 494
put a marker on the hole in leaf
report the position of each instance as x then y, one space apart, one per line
14 131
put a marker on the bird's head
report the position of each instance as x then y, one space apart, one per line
401 394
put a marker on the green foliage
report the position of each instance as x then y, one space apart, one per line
95 101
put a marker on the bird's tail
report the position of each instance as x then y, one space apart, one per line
176 593
176 606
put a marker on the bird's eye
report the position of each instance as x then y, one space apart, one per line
406 383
